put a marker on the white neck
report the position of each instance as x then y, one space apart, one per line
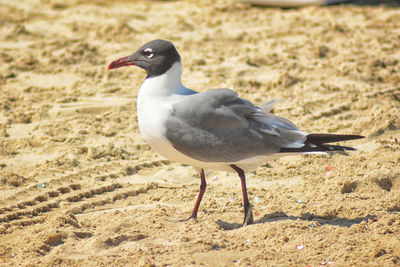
154 102
158 93
163 85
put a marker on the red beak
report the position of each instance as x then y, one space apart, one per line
122 62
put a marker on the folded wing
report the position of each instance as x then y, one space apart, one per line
219 126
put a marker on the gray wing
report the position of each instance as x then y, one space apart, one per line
219 126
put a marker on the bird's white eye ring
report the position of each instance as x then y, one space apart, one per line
148 52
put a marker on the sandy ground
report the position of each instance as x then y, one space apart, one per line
80 187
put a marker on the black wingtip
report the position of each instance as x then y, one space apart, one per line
320 143
330 138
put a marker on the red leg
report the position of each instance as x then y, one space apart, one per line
203 186
248 214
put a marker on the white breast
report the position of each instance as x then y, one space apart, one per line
152 114
155 100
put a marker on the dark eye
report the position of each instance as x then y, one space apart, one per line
148 52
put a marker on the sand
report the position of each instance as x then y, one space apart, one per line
80 187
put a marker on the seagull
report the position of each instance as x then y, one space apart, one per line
215 129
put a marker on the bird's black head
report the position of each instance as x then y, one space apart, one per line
156 57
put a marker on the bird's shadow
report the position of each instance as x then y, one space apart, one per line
388 3
281 216
391 3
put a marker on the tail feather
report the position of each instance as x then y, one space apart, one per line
319 143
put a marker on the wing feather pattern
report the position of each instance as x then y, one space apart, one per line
219 126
